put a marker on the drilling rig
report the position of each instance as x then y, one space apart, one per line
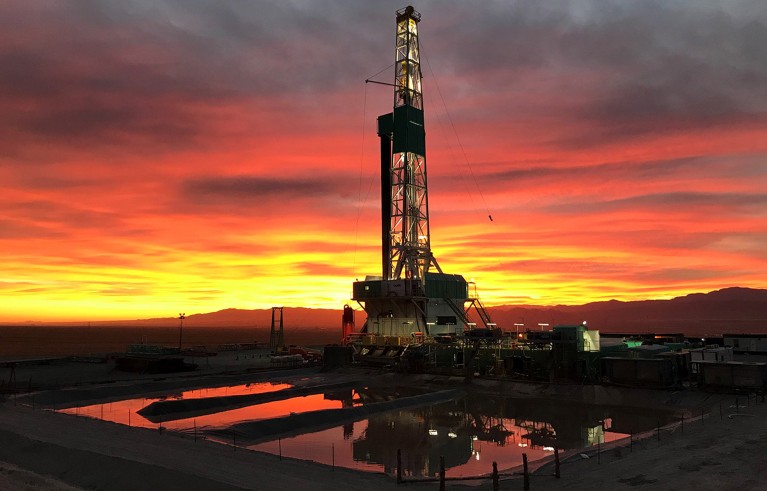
412 296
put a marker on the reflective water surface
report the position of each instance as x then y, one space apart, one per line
470 433
126 411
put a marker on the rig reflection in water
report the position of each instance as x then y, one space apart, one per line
469 433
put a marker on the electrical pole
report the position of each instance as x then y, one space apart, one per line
181 318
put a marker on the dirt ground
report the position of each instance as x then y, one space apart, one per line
92 454
41 449
720 451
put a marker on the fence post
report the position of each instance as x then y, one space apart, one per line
658 430
496 483
525 473
399 466
599 451
556 462
441 473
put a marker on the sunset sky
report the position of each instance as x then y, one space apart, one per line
159 157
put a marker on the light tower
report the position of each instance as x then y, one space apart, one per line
412 294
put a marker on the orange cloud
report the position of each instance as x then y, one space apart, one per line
153 163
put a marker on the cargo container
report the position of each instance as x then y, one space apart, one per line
640 372
731 376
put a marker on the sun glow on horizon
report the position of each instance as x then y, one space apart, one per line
146 175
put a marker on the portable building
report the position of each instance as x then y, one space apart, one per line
746 343
639 372
732 375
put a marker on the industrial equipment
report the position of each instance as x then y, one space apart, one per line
413 296
277 331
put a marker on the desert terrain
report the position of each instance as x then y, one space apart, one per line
718 446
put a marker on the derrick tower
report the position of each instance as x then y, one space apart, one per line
406 243
413 294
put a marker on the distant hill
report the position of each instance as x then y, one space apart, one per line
292 317
303 326
727 310
259 318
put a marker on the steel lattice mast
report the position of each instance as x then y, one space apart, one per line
413 297
406 250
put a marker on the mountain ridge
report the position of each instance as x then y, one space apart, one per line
732 309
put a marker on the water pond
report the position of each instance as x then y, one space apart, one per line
469 432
